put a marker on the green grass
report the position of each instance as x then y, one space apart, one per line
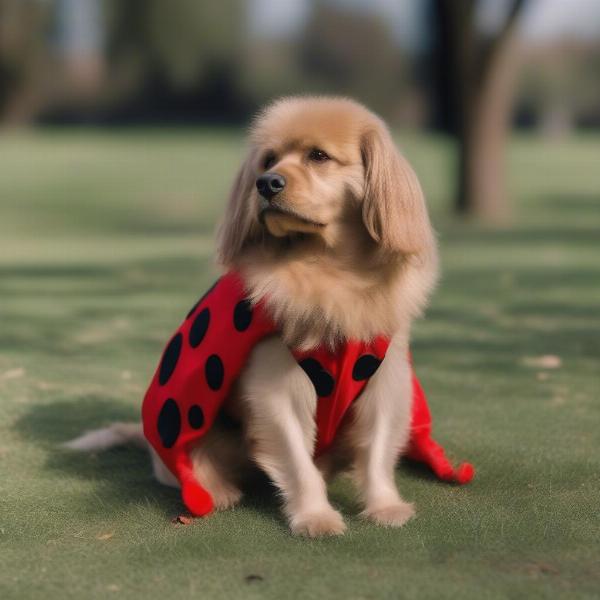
105 242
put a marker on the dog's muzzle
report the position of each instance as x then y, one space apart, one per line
270 184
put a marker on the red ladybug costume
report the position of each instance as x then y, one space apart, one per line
207 354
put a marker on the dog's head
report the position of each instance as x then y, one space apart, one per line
316 165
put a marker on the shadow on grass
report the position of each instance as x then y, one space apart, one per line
531 315
566 206
571 219
123 475
69 299
107 278
418 471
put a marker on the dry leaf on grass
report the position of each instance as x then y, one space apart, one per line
537 568
105 536
12 374
547 361
182 520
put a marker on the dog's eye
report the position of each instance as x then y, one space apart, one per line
269 160
318 155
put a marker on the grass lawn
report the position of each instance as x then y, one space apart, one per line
105 243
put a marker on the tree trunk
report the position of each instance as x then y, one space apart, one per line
475 82
482 171
483 191
461 16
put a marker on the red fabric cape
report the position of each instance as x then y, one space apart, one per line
207 354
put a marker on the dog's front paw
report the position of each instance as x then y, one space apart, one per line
226 496
318 524
392 515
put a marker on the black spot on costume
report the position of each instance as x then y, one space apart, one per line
199 327
242 315
365 367
170 359
320 378
169 423
214 372
195 416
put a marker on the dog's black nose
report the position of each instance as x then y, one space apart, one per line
269 184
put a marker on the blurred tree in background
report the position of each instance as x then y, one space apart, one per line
434 65
560 87
475 81
22 47
336 51
354 52
176 60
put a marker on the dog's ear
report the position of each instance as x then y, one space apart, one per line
240 223
394 210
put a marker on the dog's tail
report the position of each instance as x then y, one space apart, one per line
117 434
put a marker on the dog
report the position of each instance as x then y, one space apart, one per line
328 226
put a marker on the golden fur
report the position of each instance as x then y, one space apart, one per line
370 268
346 250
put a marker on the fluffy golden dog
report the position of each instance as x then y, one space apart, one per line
327 223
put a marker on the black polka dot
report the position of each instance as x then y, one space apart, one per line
364 367
320 378
242 315
169 359
195 416
193 309
214 372
169 423
199 327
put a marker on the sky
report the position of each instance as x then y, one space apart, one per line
547 19
542 21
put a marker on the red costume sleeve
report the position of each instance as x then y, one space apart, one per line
423 448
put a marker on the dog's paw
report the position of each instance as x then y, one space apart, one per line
325 523
392 515
227 496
